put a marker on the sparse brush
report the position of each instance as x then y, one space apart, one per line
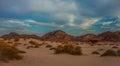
16 39
69 49
20 51
76 51
35 44
59 49
95 52
100 49
109 53
118 52
28 47
114 47
52 48
92 41
48 46
15 44
8 52
99 44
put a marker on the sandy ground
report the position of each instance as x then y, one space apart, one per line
44 57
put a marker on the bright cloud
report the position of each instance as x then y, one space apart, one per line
52 24
88 23
17 22
106 23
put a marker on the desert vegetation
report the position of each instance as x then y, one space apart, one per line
115 47
109 52
95 52
48 46
35 44
92 41
9 52
69 49
118 52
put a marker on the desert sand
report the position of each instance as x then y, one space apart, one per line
42 56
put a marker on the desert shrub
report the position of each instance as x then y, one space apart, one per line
111 44
52 48
99 44
69 49
109 53
100 49
16 39
95 52
35 44
59 49
28 47
10 42
77 43
118 52
15 44
20 51
76 51
48 46
9 53
92 41
114 47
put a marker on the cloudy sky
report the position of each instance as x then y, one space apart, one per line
75 17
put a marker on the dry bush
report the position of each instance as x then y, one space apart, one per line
8 52
59 49
16 44
16 39
115 47
28 47
35 44
101 49
69 49
76 51
95 52
118 52
52 48
109 53
48 46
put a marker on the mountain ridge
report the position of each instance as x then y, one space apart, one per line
59 35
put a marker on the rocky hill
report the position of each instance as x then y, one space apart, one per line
14 35
57 35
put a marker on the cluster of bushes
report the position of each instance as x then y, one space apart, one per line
115 47
48 46
111 53
16 39
69 49
9 53
35 44
92 41
96 52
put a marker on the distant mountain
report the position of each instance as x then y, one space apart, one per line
60 36
105 36
13 35
110 36
57 35
86 37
